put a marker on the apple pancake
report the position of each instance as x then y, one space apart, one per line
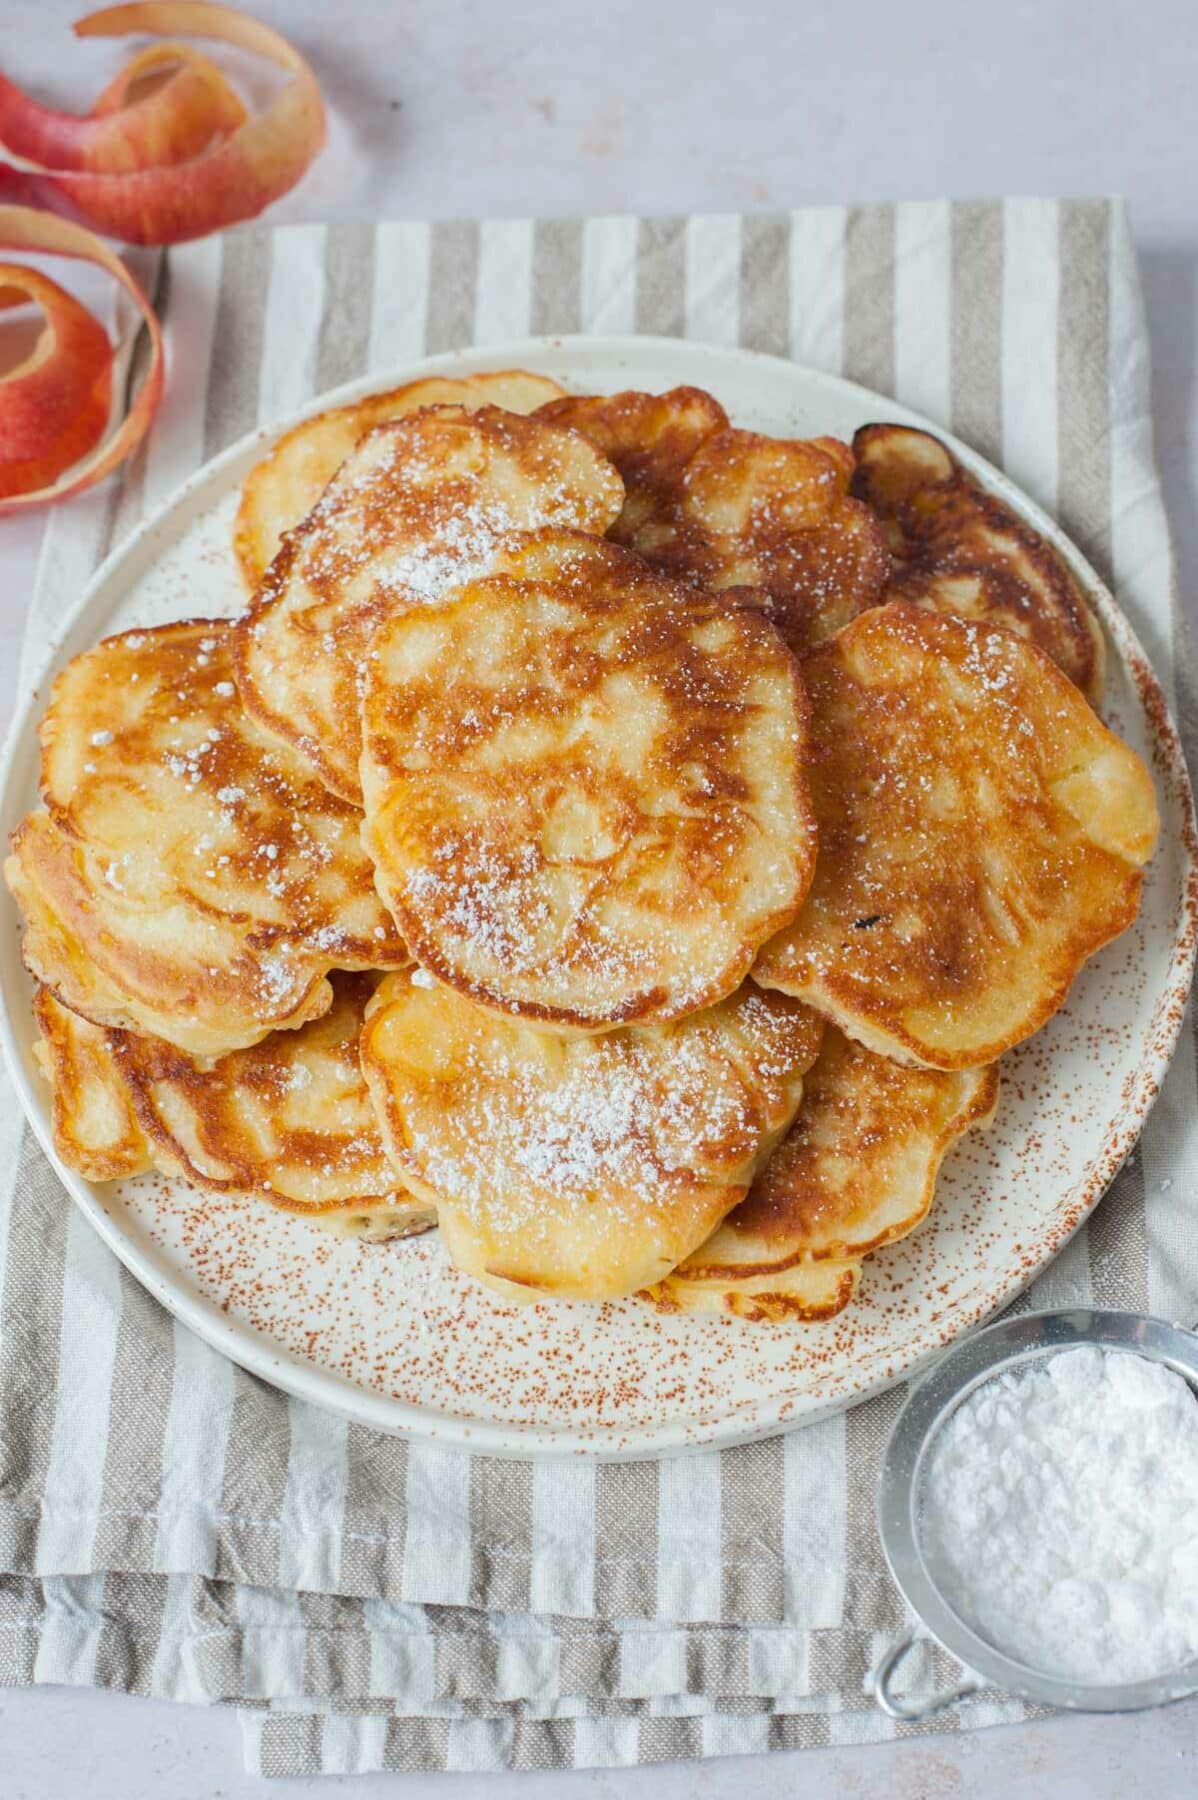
584 789
96 1129
190 877
421 504
963 551
650 438
802 1294
282 489
856 1170
288 1121
981 834
580 1167
776 514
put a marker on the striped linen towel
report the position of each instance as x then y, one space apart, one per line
169 1524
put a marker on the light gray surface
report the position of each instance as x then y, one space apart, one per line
542 106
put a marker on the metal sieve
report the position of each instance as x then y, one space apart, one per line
966 1366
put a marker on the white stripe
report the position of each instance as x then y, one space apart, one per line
175 1675
652 1660
71 549
922 286
351 1745
69 1636
713 278
193 1456
403 1652
735 1734
503 300
175 447
607 1744
689 1537
313 1509
477 1745
817 288
562 1574
813 1523
74 1487
1030 300
609 274
436 1558
400 306
274 1642
291 328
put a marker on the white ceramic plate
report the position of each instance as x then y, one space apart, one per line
395 1338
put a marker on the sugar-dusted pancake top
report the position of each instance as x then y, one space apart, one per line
856 1170
283 488
583 1167
775 513
190 878
981 834
288 1121
728 508
584 787
964 551
650 438
423 503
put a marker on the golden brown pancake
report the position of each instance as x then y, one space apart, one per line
650 438
981 834
802 1294
963 551
580 1167
190 877
288 1121
856 1170
95 1126
731 509
422 504
584 789
282 489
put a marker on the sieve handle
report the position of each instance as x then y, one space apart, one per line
911 1711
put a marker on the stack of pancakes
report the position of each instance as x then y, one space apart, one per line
624 841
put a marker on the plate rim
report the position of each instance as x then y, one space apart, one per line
252 1349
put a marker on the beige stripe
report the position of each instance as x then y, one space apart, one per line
765 284
869 297
452 282
867 1429
1118 1239
976 324
501 1534
372 1536
348 296
413 1745
140 1404
255 1479
753 1495
799 1731
669 1740
626 1540
1083 376
661 277
290 1745
30 1326
556 277
232 401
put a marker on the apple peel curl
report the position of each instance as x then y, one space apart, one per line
167 104
233 179
54 405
